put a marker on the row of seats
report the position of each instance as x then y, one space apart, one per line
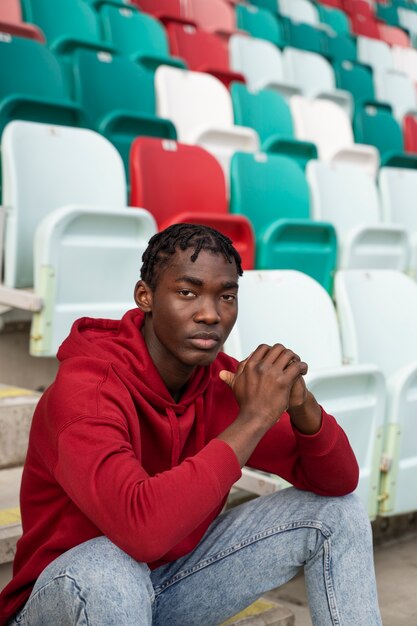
362 364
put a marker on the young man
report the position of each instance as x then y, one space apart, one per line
135 446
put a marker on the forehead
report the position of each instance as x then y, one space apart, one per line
210 267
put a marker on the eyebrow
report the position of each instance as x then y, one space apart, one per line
230 284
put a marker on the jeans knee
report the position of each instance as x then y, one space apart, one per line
349 516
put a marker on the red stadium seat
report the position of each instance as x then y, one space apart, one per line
11 22
365 26
393 35
202 51
163 9
410 133
213 15
183 183
335 4
358 7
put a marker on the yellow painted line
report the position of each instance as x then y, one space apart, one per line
14 392
9 516
257 608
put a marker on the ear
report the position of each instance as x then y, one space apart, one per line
143 296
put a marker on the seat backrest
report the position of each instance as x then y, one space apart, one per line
171 9
194 101
311 71
104 83
343 194
375 53
398 90
256 194
260 23
28 84
299 11
356 78
75 19
215 15
335 19
132 32
364 25
323 122
377 312
393 36
86 264
374 124
405 60
288 307
398 187
258 60
10 11
200 49
46 167
266 111
169 178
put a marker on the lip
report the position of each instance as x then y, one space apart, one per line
205 341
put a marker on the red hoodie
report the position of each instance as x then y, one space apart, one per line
111 453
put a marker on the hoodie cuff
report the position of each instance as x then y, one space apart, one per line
322 442
223 461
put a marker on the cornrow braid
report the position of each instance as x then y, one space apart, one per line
183 236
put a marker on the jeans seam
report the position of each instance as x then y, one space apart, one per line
331 596
243 543
22 614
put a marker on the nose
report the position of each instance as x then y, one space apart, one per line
207 312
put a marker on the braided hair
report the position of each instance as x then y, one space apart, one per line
183 236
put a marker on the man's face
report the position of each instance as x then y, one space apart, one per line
191 311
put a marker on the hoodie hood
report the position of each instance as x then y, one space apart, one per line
121 343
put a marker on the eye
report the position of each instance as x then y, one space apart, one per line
186 293
229 297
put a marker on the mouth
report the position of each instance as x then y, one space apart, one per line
205 341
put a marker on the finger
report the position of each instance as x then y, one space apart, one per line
227 377
296 369
259 354
274 354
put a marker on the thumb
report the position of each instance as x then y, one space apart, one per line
227 377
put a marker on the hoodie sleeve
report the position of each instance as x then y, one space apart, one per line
145 516
323 463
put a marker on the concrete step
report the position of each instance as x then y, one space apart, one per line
10 526
16 411
263 612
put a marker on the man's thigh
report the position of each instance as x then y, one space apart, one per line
246 551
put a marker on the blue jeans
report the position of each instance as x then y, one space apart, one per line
245 552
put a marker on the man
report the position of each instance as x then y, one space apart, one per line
135 446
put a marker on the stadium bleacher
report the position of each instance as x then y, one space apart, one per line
289 125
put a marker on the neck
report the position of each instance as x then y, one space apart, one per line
175 376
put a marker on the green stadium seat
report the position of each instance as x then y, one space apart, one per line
286 237
32 85
335 19
269 114
139 36
339 47
375 125
356 78
260 23
304 36
118 98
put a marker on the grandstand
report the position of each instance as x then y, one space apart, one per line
288 125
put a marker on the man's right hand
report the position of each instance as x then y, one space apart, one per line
262 385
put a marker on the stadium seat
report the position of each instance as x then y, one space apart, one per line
300 11
387 13
405 60
304 36
11 22
215 16
182 183
86 261
261 63
375 53
339 47
348 198
328 126
163 9
260 23
377 312
74 25
32 85
136 35
46 167
408 20
315 77
393 36
289 307
355 78
286 237
398 188
374 124
201 108
359 7
269 114
410 133
398 90
335 19
364 25
118 97
202 51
